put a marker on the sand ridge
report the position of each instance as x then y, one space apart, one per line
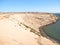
13 32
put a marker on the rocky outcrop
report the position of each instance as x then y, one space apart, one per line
23 28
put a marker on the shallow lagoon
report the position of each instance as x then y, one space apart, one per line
54 29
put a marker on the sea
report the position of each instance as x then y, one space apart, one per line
53 30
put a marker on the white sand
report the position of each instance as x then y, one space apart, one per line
13 34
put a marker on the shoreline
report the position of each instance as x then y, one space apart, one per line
31 25
44 34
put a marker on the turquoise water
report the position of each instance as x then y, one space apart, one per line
54 29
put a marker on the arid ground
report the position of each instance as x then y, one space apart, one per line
23 28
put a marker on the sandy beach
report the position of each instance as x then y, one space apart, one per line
15 28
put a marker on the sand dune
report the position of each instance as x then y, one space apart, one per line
14 32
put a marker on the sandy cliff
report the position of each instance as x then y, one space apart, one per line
23 28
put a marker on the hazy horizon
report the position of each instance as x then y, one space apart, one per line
51 6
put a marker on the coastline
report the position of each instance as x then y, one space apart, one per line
44 34
27 25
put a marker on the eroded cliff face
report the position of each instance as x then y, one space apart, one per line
23 28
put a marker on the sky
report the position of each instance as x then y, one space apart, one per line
51 6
